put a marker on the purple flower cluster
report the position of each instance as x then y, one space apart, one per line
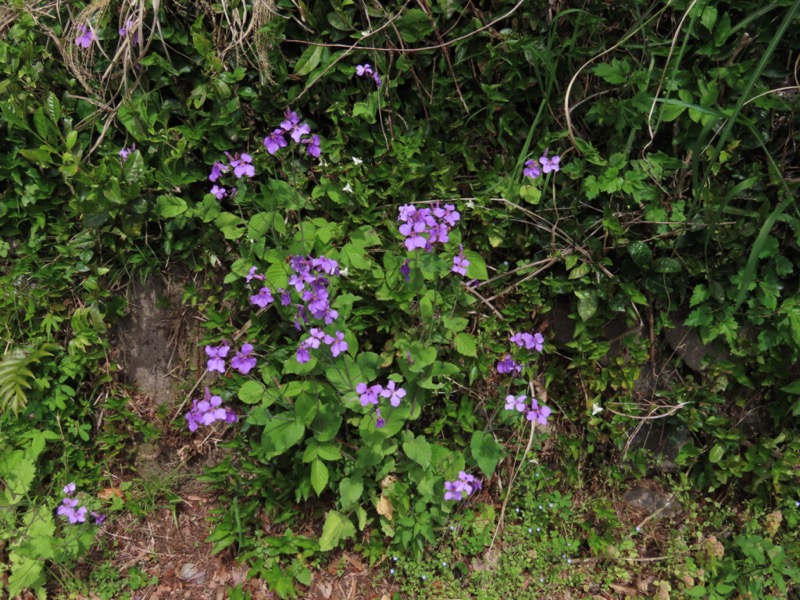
242 361
462 487
530 341
371 394
534 412
311 282
424 227
73 513
366 70
292 126
546 165
242 167
85 36
316 337
208 410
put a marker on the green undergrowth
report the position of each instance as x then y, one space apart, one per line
658 263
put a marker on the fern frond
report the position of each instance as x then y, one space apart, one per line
16 377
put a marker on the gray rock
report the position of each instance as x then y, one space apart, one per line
656 504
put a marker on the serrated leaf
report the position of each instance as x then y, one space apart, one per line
319 476
417 449
466 344
168 207
477 266
350 491
486 452
615 72
337 527
329 452
699 295
251 392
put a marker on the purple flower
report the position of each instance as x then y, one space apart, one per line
123 31
516 403
405 270
507 365
394 393
217 170
219 192
313 146
286 299
460 263
86 36
243 362
365 69
98 518
241 165
531 169
538 413
290 120
69 489
291 125
303 355
550 164
275 141
337 344
217 355
531 342
263 298
377 79
424 227
368 395
379 420
126 152
316 336
461 487
253 274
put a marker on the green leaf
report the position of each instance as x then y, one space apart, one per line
40 123
344 375
477 266
280 434
53 107
251 392
72 137
716 454
350 491
319 476
168 207
337 527
709 17
308 61
455 324
667 265
466 344
417 449
615 72
486 452
640 253
699 295
587 303
414 25
329 452
792 388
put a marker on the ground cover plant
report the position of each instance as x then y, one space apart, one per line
478 299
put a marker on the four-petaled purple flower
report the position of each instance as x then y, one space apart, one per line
217 354
460 262
243 362
550 164
368 394
275 141
292 125
263 298
538 413
217 170
530 341
365 69
337 344
208 410
69 489
219 192
516 403
394 393
531 169
85 36
241 165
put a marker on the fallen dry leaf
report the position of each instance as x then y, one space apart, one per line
106 493
385 507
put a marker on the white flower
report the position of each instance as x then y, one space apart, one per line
347 188
344 272
470 203
357 161
596 408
